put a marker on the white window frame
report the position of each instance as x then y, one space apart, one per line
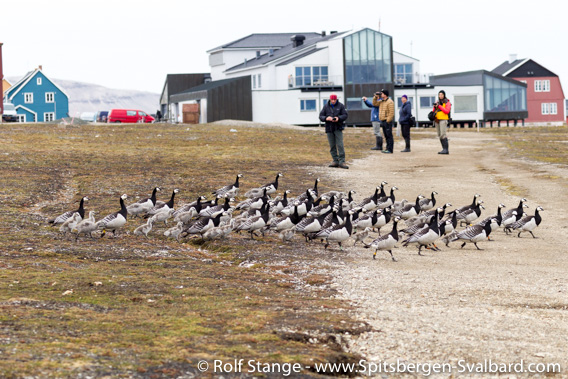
553 108
303 102
48 116
544 109
21 118
254 81
28 98
259 81
50 97
542 85
39 81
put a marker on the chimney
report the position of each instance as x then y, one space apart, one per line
323 33
270 52
257 54
333 32
40 67
297 40
512 58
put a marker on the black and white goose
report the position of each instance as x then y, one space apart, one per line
322 208
284 222
348 203
370 202
255 223
409 210
425 237
427 204
196 205
383 218
473 234
278 205
470 215
494 220
254 203
387 201
451 222
414 228
230 190
313 192
513 215
340 233
201 226
425 217
270 188
528 223
470 206
309 225
64 216
303 207
386 242
366 220
144 205
215 210
162 207
114 221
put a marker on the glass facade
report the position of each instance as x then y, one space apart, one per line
403 73
368 57
503 96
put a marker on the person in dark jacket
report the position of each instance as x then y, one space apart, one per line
334 116
374 105
404 114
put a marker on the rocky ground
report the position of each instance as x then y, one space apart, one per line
507 303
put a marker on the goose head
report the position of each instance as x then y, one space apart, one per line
124 197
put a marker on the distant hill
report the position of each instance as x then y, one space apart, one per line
86 97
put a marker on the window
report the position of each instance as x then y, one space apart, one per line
504 96
368 57
254 81
39 81
48 117
403 73
354 103
307 76
143 114
542 85
549 108
131 113
427 101
467 103
28 98
21 118
553 108
259 81
307 105
399 102
49 97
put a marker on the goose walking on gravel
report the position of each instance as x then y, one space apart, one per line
64 216
360 237
144 205
513 215
230 190
473 234
528 223
426 236
144 229
470 215
114 221
387 201
86 227
409 210
340 233
470 206
386 242
427 204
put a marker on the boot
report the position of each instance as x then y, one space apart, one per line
379 141
444 146
407 149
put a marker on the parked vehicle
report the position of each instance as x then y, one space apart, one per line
10 114
88 116
102 116
129 115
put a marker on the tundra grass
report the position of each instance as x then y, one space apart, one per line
131 306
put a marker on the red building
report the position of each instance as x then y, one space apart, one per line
545 98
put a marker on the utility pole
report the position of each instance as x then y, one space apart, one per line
1 85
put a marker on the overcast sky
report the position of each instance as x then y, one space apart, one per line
129 44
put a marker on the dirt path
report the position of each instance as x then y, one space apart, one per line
506 303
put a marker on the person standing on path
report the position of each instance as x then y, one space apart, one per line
404 114
386 116
374 105
442 108
334 115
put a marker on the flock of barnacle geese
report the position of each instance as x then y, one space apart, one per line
331 217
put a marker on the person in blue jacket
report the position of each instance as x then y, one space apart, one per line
375 120
404 114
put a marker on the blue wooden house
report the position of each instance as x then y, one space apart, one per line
37 98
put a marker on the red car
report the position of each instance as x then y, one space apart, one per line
129 115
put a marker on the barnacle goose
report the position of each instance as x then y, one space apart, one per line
253 203
230 190
409 210
528 223
278 205
64 216
70 223
304 207
425 236
284 222
186 207
473 234
337 194
213 211
366 220
163 216
144 205
360 237
310 225
270 188
255 223
201 226
386 242
114 220
162 207
287 234
387 201
509 217
470 215
370 202
348 203
425 217
414 228
427 204
312 191
323 208
86 226
451 222
144 229
175 231
494 220
383 218
470 206
340 233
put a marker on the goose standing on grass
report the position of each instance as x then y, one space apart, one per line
144 205
473 234
215 210
163 207
284 222
201 226
426 236
528 223
230 190
310 225
114 220
144 229
340 233
185 217
70 223
287 234
427 204
386 242
64 216
270 188
255 223
163 216
86 227
253 203
323 208
312 191
278 205
196 205
175 231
